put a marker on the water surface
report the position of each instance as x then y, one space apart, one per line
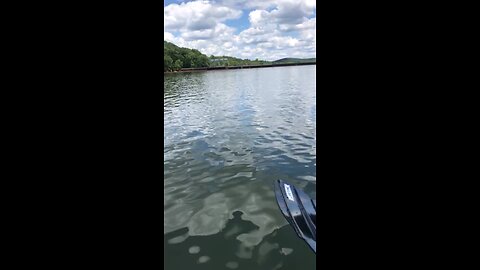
228 136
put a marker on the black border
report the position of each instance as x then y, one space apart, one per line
88 138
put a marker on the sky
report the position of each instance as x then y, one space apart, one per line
263 29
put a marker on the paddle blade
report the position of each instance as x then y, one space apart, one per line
299 210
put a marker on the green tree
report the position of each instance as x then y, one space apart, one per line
178 64
167 63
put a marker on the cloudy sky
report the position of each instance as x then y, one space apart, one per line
263 29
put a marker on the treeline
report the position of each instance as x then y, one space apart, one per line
294 60
222 61
175 58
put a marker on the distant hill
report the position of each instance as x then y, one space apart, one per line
294 60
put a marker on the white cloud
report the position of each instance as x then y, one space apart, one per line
168 36
277 28
257 17
196 16
218 31
247 4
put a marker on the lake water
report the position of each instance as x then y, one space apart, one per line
228 136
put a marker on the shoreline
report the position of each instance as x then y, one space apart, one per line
183 70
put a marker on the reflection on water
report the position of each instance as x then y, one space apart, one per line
279 250
228 136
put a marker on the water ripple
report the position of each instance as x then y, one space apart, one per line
228 136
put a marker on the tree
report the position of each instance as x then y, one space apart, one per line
178 64
167 63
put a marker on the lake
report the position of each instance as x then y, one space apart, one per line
228 135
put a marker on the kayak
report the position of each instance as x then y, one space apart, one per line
299 210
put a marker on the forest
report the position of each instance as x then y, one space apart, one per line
176 58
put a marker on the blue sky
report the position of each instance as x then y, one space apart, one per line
268 29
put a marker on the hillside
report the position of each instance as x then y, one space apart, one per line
294 60
176 58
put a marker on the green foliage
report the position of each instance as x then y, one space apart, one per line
226 61
178 64
176 58
167 63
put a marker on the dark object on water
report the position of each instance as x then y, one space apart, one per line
300 211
